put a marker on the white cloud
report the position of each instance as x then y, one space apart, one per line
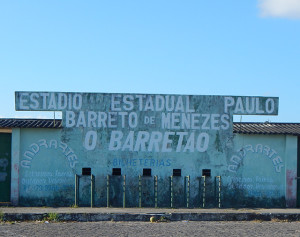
280 8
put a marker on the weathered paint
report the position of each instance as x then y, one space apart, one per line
49 181
291 191
193 134
256 182
258 169
291 170
15 164
5 166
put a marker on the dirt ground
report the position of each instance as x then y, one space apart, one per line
183 228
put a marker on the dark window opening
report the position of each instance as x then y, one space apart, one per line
206 172
86 171
146 172
176 172
116 171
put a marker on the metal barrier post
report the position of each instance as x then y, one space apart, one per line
140 191
155 191
204 191
107 191
188 192
76 190
171 187
92 191
124 191
219 191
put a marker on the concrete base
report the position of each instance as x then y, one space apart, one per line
140 214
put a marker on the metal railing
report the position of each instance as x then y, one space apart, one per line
187 191
77 177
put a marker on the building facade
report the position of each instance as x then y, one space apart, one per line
149 151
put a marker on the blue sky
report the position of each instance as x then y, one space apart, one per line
249 48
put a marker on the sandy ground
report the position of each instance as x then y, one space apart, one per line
183 228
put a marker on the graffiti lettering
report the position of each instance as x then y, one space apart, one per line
259 149
33 173
49 101
257 186
194 121
141 162
158 141
92 119
90 140
249 105
46 180
35 148
47 187
167 103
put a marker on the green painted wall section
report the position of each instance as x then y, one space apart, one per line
255 175
45 176
258 170
5 166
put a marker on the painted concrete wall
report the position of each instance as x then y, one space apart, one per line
158 132
44 174
260 172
